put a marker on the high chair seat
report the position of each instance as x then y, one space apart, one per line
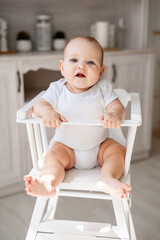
80 183
84 179
77 179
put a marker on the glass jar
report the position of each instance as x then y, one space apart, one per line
43 33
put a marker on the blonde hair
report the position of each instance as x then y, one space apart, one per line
89 39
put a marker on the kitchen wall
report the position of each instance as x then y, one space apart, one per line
72 16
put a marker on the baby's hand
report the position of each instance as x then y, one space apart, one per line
110 120
53 119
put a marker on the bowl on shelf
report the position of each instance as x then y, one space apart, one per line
23 42
24 45
59 41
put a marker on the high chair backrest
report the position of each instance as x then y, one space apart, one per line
38 137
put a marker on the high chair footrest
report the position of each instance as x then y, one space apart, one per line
84 194
77 227
59 236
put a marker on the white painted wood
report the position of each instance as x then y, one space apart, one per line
36 218
53 207
26 111
136 120
44 139
38 139
11 169
122 229
135 108
33 146
57 236
51 63
85 180
79 194
129 146
132 228
135 74
96 122
76 227
81 185
24 114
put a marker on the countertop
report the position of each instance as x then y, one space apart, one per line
35 54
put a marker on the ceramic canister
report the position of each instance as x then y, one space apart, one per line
43 33
101 33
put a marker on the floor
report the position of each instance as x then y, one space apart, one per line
16 210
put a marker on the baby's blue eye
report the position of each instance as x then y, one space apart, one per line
73 60
91 62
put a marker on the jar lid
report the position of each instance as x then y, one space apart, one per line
43 17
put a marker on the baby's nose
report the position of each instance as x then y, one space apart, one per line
81 66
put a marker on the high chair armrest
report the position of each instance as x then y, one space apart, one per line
26 111
24 114
136 115
125 123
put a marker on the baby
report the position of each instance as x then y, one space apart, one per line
81 95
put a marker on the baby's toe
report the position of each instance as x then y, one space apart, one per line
127 187
124 195
27 178
29 187
27 183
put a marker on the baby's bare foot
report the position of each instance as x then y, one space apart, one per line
39 186
114 187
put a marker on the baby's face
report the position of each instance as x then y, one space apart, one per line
82 65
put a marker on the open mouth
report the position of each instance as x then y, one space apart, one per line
80 75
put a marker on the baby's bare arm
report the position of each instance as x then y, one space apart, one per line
115 113
44 110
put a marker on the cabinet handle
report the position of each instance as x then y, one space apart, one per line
114 73
19 81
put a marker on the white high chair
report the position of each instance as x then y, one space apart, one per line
80 183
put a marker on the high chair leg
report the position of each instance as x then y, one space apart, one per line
132 229
127 208
37 216
51 208
122 218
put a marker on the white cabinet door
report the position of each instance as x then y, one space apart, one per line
134 73
45 62
10 170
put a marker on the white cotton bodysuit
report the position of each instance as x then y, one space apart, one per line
85 106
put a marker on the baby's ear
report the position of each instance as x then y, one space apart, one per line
102 70
61 66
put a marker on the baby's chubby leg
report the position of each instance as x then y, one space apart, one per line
57 160
111 157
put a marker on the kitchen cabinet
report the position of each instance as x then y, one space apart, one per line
135 73
11 162
131 70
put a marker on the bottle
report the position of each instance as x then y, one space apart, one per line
120 33
111 35
43 33
3 36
